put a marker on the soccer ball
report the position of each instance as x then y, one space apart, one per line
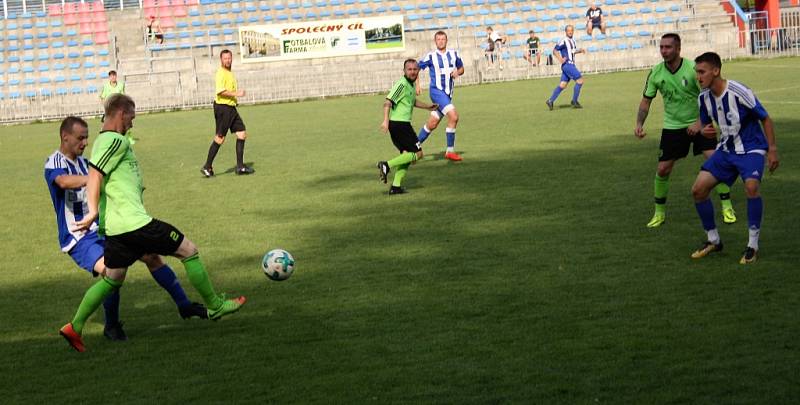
277 264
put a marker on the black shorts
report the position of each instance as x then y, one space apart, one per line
533 51
156 237
403 136
227 118
596 24
675 144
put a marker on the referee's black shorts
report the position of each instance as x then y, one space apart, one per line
403 136
156 237
227 118
675 144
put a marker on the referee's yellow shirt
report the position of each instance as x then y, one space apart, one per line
225 81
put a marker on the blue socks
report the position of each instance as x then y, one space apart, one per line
111 308
755 210
165 277
450 133
423 134
576 92
556 92
706 211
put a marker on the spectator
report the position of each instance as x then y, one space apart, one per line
533 49
112 86
154 31
594 19
495 42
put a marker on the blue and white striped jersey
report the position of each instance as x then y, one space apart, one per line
70 205
737 113
567 48
441 65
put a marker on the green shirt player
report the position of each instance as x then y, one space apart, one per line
112 86
397 110
676 81
114 193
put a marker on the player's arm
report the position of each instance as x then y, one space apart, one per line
70 181
387 105
772 153
222 87
557 53
229 93
641 116
94 180
459 67
425 106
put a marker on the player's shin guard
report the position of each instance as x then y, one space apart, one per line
450 134
423 134
724 192
705 210
111 308
400 174
755 210
556 92
165 277
199 279
212 153
92 299
576 92
660 190
402 159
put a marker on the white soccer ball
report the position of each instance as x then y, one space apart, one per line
277 264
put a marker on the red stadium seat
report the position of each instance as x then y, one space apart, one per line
178 9
70 18
167 22
86 28
101 38
54 10
100 27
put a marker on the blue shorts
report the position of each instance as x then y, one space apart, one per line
444 101
88 251
726 166
569 72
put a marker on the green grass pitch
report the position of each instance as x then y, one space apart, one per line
524 274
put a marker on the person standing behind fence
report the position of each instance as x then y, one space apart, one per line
226 116
112 86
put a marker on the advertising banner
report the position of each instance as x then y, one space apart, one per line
320 39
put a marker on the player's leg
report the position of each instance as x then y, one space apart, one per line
163 275
660 191
673 145
117 258
237 126
538 58
751 166
430 125
405 141
222 123
589 28
714 170
575 75
557 91
166 239
706 146
450 132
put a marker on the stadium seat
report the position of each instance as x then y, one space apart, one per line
27 58
636 45
30 93
90 76
89 65
59 66
76 90
61 91
622 47
60 79
44 80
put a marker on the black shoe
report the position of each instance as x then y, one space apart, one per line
194 309
749 256
383 171
549 104
115 332
576 104
245 170
207 172
396 190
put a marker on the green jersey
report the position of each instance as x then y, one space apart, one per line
403 97
108 89
121 206
679 90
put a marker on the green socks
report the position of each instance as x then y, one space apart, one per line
403 159
660 189
724 192
91 301
400 174
199 279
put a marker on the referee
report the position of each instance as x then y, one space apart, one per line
226 116
397 109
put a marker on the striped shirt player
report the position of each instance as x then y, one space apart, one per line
740 152
444 66
70 205
565 52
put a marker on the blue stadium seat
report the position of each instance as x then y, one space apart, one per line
45 92
104 75
645 10
211 23
622 47
13 58
75 78
616 35
60 79
76 90
636 45
29 81
194 13
225 21
55 23
39 35
644 33
608 47
90 76
89 65
181 25
71 33
72 43
264 7
197 23
27 47
61 91
298 16
14 95
27 58
30 93
592 48
74 65
267 18
251 9
41 24
58 66
105 63
228 31
43 57
88 53
44 80
56 34
13 82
